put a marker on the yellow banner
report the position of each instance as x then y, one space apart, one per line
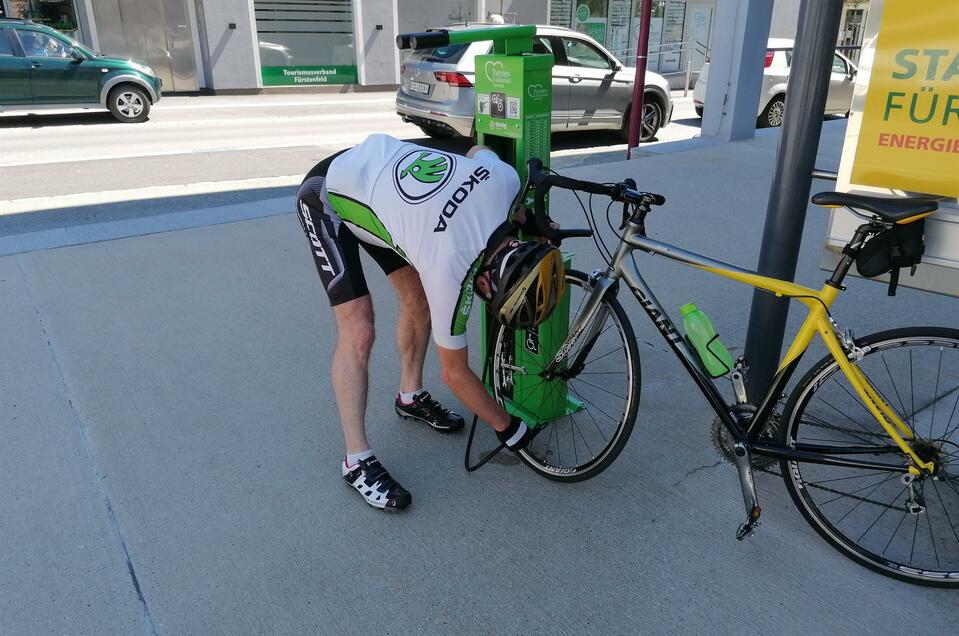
909 138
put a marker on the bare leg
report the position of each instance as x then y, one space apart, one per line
412 326
354 321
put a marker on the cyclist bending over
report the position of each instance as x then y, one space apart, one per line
437 225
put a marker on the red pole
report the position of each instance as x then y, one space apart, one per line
639 83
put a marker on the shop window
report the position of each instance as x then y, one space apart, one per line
59 14
305 42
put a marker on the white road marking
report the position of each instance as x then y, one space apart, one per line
324 140
227 106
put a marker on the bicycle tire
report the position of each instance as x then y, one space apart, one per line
503 341
800 476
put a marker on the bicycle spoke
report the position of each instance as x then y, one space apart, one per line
867 431
932 537
860 501
621 397
912 390
884 511
603 356
949 423
593 418
955 533
895 532
858 490
932 420
826 481
894 387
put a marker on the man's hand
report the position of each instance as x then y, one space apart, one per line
469 389
521 216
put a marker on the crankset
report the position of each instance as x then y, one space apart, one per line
723 441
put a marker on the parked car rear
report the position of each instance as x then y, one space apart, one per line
41 68
592 90
772 102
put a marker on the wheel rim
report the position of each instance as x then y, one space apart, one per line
130 104
867 512
575 443
776 111
650 122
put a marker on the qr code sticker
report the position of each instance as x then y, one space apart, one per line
483 103
512 108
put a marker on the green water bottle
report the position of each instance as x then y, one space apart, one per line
701 332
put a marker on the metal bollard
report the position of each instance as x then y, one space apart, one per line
689 73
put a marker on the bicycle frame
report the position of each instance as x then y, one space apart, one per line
746 440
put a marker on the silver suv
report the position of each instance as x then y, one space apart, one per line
592 90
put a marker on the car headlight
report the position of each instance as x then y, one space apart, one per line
143 68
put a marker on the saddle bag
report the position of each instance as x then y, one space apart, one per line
891 250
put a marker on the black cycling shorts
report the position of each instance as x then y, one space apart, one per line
335 249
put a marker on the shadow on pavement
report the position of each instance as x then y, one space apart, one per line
60 119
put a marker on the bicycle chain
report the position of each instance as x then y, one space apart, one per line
835 492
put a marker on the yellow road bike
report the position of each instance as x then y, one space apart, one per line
867 441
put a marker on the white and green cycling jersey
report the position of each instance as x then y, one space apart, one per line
436 209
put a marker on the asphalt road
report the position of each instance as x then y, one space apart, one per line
239 142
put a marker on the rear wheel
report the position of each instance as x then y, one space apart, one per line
583 443
773 113
652 121
129 104
904 528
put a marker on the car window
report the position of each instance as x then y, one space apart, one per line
583 54
36 44
838 65
542 45
442 54
6 46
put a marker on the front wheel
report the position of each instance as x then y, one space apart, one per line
602 396
129 104
882 518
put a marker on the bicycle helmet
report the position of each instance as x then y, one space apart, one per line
526 278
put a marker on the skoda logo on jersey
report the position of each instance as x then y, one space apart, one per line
419 174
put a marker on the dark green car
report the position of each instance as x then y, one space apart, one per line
41 68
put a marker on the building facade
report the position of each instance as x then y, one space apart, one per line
248 45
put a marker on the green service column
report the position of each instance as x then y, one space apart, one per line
513 114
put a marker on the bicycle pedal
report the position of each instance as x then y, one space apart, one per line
749 527
746 530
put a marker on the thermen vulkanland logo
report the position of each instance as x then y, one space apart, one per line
419 174
497 74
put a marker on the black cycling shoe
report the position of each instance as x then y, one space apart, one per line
426 409
376 485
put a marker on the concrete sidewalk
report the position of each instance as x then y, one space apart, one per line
171 447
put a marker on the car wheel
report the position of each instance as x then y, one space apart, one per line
699 111
129 104
652 121
773 113
436 132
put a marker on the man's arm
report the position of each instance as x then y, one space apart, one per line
469 389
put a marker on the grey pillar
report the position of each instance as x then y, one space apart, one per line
792 179
740 37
